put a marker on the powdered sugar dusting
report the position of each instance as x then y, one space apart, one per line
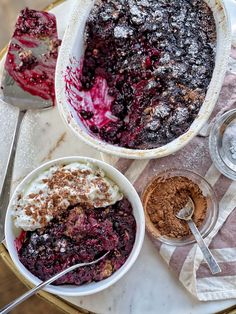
122 31
230 140
233 149
198 155
157 58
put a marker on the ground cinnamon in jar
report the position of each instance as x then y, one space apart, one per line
165 198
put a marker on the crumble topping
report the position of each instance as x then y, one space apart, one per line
27 60
32 23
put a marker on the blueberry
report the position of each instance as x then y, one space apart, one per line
87 115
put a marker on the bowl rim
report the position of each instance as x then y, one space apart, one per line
103 284
217 159
223 24
148 223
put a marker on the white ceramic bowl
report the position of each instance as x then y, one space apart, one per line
71 290
73 48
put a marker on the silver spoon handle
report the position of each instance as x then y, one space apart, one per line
212 263
7 176
31 292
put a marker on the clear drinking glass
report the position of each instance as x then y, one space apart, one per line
222 142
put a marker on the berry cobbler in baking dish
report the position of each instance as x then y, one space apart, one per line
145 70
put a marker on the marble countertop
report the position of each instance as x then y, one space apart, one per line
149 287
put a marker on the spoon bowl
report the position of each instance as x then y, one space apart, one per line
187 211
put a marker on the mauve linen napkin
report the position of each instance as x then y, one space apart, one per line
187 262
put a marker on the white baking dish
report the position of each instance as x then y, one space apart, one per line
73 47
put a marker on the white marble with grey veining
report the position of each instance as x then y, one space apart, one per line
149 287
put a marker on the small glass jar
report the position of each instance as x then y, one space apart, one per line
212 206
222 144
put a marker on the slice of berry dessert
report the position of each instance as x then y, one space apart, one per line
31 58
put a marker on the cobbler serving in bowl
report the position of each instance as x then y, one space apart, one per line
73 212
145 70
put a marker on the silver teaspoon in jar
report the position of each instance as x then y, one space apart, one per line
186 214
31 292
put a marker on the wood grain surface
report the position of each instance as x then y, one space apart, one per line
11 288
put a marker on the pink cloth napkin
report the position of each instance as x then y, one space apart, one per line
187 262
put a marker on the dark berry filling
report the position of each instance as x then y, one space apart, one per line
81 234
33 23
156 59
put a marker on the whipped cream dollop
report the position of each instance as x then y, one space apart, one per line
59 188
